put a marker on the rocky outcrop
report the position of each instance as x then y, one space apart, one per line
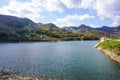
110 54
13 76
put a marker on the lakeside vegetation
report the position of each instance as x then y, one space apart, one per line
43 32
37 33
111 45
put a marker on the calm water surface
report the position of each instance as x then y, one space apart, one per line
74 59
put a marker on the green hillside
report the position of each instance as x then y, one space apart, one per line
36 33
91 33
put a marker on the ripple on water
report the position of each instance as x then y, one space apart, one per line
73 59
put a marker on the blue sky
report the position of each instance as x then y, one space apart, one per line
95 13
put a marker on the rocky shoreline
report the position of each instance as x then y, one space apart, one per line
14 76
110 54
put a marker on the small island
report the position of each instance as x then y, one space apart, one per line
110 48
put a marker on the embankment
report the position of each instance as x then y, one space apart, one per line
110 48
110 54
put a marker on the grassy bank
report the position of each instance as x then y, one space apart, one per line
111 45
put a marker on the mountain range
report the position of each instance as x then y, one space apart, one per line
23 29
103 28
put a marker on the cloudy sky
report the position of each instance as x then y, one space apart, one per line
94 13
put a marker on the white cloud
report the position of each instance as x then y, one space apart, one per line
54 5
116 21
68 20
87 4
104 8
94 26
107 8
71 3
79 3
28 9
61 22
31 9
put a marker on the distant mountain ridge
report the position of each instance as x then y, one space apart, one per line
20 22
109 29
103 28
